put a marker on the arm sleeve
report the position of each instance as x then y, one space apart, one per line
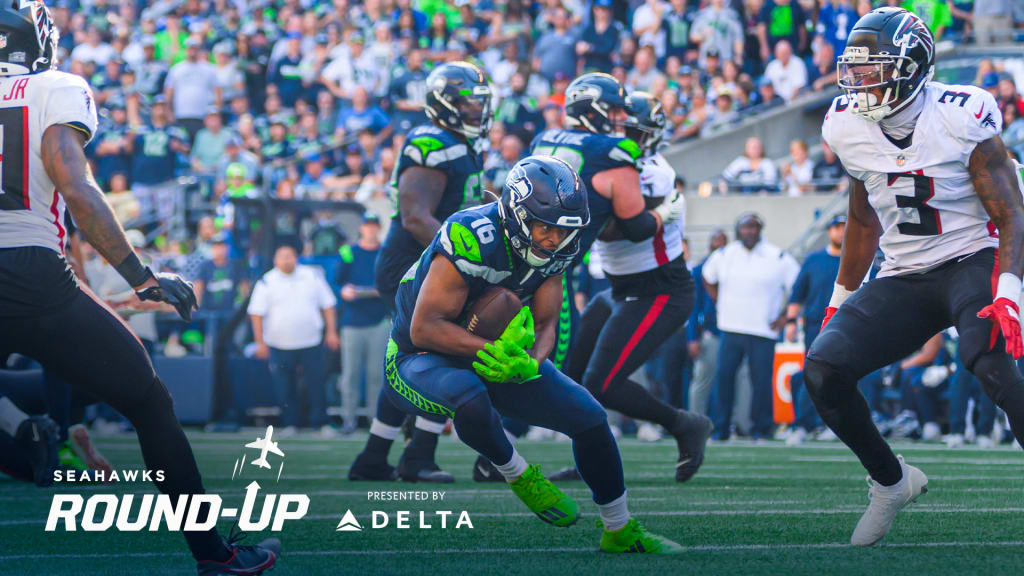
640 227
258 303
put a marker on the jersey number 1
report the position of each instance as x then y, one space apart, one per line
13 158
929 223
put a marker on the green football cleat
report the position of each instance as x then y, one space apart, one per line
68 459
634 538
545 499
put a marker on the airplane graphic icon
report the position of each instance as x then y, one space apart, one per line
265 445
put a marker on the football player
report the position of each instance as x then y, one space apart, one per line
524 243
933 187
437 174
650 298
46 118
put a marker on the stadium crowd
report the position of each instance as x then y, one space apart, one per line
310 101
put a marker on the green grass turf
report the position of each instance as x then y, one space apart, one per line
751 510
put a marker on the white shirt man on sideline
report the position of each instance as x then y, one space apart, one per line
750 280
292 312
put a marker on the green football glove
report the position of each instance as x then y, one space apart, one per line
519 331
505 362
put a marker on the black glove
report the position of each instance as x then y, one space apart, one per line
174 290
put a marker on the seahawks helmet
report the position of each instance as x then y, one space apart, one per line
890 52
545 189
28 38
459 100
646 120
590 100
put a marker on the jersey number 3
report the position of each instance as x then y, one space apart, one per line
929 223
13 158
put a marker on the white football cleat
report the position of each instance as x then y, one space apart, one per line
986 442
886 502
954 440
796 437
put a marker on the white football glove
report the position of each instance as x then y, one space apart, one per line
673 208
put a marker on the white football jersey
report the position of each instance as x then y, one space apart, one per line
923 194
31 208
621 257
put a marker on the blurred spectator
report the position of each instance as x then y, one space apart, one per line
1013 131
992 21
600 38
935 14
230 79
644 75
555 51
497 166
94 49
723 114
961 10
154 149
717 30
647 25
518 110
699 111
191 88
235 153
210 144
110 148
286 72
767 97
675 26
1008 96
409 93
787 73
835 20
798 173
364 322
292 313
220 283
751 172
362 115
829 174
749 280
702 334
782 20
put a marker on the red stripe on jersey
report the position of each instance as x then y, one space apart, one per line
645 325
25 149
56 220
660 256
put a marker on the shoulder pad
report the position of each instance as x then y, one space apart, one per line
433 148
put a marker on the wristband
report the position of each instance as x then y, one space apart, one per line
839 295
1009 287
132 270
790 320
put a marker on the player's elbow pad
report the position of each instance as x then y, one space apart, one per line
640 227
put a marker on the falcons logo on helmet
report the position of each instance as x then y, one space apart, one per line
912 30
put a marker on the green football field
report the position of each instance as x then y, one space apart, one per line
763 509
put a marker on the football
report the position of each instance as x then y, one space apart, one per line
492 311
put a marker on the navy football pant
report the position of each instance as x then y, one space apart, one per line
432 384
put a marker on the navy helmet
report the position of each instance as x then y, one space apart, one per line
646 120
544 189
889 57
590 100
459 100
28 38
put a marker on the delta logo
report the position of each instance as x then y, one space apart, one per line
405 520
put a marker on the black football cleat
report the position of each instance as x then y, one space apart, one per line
244 560
411 469
691 433
570 474
38 437
372 467
484 471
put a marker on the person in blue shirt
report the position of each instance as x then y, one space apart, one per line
523 243
835 20
362 115
702 336
811 294
364 321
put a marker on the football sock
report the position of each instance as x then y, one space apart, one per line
381 437
599 464
635 401
422 446
10 416
514 468
479 427
1003 383
429 426
615 514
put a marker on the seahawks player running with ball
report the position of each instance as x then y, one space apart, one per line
437 174
650 298
524 243
933 187
46 118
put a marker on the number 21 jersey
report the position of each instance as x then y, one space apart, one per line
31 208
923 194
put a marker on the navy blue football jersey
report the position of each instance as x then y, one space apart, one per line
430 147
589 154
473 241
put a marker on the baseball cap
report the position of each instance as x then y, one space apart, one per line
603 3
369 217
990 80
837 220
236 170
192 42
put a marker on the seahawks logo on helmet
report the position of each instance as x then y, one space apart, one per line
519 184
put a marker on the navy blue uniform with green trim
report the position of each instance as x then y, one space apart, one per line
589 154
429 147
432 385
